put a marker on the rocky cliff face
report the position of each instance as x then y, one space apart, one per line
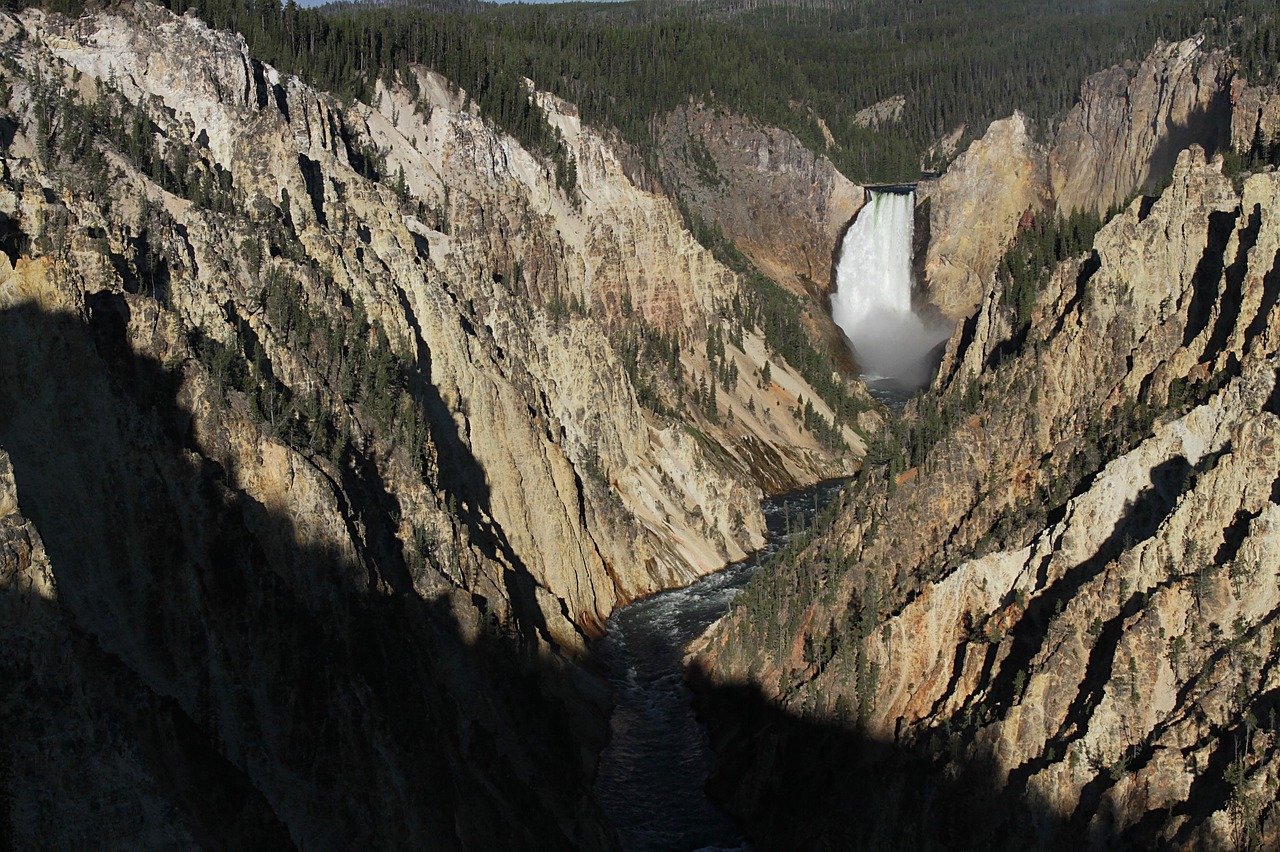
1120 139
1255 114
1131 122
975 208
336 430
1056 628
783 207
759 190
469 298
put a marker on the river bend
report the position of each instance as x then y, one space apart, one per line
651 776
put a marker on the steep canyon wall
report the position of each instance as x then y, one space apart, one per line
333 430
1055 626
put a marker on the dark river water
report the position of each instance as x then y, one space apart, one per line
894 393
651 775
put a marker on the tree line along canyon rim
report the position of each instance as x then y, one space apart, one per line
385 388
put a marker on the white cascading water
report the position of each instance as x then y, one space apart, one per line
872 302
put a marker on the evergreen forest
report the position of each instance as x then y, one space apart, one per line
958 63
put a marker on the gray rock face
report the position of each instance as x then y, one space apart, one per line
1130 123
1255 114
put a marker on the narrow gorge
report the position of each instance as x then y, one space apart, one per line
652 773
288 379
384 390
1044 617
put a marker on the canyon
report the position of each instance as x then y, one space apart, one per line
323 438
1045 616
333 431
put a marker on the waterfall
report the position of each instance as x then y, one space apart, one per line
872 302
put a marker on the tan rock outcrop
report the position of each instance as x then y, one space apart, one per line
1255 114
888 110
1131 122
1122 137
974 211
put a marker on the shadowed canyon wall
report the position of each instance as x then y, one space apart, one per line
331 434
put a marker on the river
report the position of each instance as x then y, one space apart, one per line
651 775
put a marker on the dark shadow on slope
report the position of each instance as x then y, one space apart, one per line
259 78
145 271
813 785
817 784
1234 535
282 101
1229 301
1270 298
1208 126
1139 522
462 478
1075 724
313 179
814 782
921 233
1204 281
1012 345
1088 268
270 696
1006 348
91 722
378 511
957 671
14 242
1144 207
968 329
1210 790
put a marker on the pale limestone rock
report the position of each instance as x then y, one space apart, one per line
888 110
1131 123
975 209
1255 114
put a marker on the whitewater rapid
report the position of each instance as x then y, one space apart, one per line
872 302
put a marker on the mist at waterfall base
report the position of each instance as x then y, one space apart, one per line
872 302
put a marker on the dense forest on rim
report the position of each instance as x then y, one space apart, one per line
956 61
